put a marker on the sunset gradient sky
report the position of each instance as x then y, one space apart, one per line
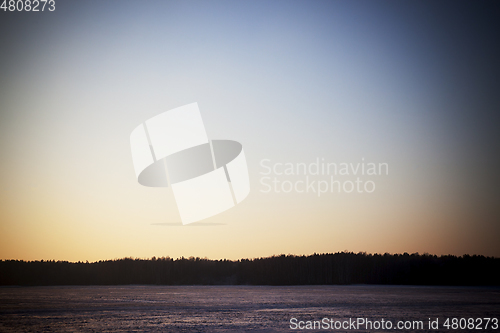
412 84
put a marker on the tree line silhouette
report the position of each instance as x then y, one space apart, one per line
316 269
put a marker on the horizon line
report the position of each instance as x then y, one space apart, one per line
154 258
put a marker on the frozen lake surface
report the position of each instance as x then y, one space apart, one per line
234 308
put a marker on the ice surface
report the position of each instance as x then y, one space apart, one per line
230 308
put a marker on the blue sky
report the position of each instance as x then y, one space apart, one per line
411 84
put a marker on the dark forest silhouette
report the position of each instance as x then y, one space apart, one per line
317 269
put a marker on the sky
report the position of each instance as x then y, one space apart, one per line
410 84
